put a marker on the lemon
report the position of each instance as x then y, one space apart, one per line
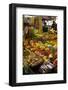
45 58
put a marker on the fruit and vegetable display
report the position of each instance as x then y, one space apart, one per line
40 52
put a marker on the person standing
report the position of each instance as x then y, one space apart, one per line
54 26
45 27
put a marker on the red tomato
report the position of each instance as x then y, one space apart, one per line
55 62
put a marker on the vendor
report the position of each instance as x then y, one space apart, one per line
54 25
